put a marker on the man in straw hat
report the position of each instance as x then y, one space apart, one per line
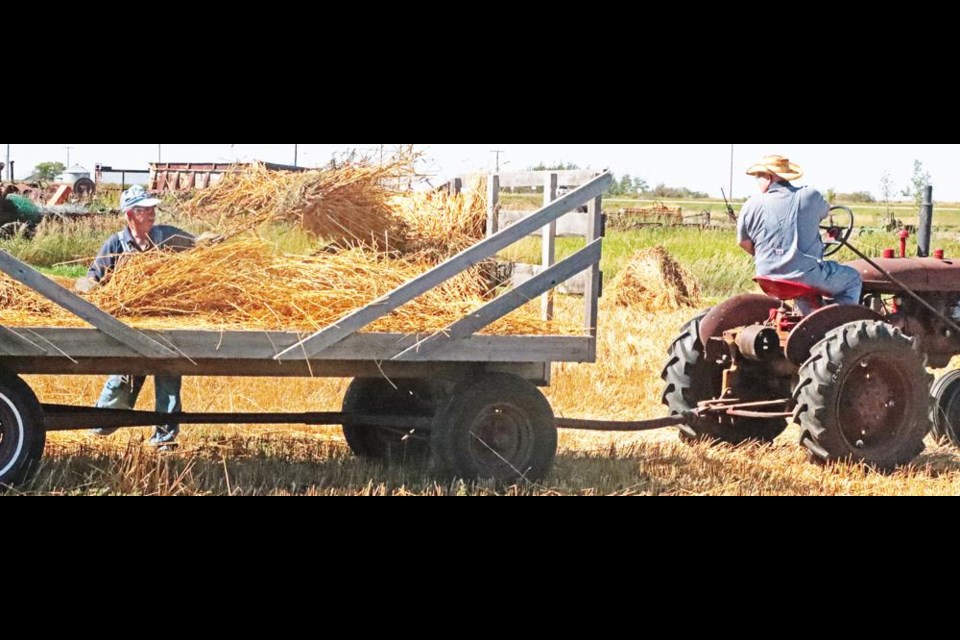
141 234
781 229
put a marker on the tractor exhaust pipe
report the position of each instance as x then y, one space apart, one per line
926 223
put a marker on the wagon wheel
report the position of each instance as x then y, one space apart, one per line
22 434
498 426
377 396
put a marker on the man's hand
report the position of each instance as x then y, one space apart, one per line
86 284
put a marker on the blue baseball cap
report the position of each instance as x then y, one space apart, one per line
135 196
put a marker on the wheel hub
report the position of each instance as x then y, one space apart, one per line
501 434
872 402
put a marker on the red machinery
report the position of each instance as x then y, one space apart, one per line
853 377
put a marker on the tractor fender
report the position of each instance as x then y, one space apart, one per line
815 327
739 311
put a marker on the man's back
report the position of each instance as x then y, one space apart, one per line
784 226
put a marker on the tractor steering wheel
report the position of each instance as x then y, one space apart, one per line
836 229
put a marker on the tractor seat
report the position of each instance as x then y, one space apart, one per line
790 290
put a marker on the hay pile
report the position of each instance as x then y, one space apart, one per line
439 224
654 281
245 285
346 204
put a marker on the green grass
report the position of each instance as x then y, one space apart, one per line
713 256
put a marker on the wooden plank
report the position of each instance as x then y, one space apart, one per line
591 295
572 224
87 312
493 205
238 348
575 286
535 178
361 318
434 345
273 369
549 244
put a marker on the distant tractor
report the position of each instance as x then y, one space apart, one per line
853 377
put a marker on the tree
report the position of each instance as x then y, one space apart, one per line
919 180
831 195
558 166
887 191
48 170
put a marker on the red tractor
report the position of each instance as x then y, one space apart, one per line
853 377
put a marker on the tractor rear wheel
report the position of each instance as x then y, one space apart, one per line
690 378
945 409
864 396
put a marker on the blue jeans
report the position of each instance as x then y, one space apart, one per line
121 392
843 283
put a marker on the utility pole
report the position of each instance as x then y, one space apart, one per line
9 166
68 155
294 155
731 173
159 155
498 152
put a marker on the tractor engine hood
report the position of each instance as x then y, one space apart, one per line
919 274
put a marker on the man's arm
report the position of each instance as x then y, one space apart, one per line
747 245
106 260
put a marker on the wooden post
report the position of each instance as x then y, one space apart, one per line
493 202
549 241
591 295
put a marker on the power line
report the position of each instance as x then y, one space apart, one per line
498 152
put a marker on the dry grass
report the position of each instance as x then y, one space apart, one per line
654 281
440 224
245 285
346 204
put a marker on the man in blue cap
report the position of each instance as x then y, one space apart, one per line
141 234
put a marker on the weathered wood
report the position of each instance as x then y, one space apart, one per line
242 347
575 286
30 277
548 244
273 369
433 346
535 178
493 205
591 295
361 318
572 224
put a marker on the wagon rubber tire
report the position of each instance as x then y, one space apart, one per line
377 396
690 379
864 396
945 408
22 433
497 426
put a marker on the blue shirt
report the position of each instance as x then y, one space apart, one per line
784 226
162 236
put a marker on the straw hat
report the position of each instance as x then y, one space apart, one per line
778 166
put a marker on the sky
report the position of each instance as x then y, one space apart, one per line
701 167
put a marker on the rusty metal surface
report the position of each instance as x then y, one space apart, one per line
811 329
736 312
920 274
758 342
